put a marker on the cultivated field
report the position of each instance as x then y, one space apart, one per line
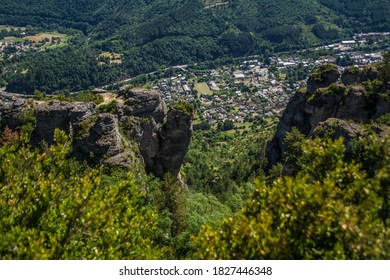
11 38
203 89
42 36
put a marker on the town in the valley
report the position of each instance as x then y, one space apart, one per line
246 90
253 89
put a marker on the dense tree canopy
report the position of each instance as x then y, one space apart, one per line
332 209
50 208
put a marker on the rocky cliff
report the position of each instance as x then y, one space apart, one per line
138 126
358 98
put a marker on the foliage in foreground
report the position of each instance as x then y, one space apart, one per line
332 209
50 208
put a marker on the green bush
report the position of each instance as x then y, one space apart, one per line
51 210
330 210
111 107
185 107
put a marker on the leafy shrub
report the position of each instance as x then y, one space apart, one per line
111 107
51 210
185 107
330 210
384 119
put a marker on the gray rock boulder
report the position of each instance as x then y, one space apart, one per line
353 75
173 140
144 103
99 140
323 77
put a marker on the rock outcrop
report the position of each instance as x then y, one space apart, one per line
311 108
163 135
353 75
323 77
140 127
172 144
12 110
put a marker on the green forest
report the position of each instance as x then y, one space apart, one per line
155 34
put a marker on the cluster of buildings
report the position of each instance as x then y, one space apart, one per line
175 87
14 47
239 93
251 89
243 107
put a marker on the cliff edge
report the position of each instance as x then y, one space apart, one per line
136 127
358 98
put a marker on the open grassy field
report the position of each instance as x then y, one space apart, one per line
49 35
115 58
203 89
11 38
41 36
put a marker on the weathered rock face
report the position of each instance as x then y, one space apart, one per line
308 110
145 103
101 140
353 75
336 128
323 77
140 124
173 141
62 115
12 109
355 105
162 135
294 115
350 76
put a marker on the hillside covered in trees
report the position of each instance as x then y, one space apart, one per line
153 34
138 22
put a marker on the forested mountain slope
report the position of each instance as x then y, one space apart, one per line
137 22
153 34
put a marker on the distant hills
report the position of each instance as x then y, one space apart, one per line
151 34
236 27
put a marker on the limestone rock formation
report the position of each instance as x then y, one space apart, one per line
173 141
336 128
162 135
55 114
353 75
312 108
12 110
144 103
141 127
323 77
101 140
